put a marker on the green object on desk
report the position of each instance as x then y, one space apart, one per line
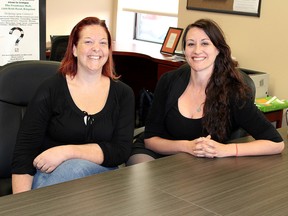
269 104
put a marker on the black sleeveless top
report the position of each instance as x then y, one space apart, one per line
181 128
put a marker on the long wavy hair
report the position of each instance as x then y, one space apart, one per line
225 83
69 62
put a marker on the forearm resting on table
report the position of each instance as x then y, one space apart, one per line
257 147
167 147
21 183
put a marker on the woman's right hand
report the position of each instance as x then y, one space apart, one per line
201 147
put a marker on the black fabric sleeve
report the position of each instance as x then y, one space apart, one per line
119 149
32 131
168 89
251 119
154 125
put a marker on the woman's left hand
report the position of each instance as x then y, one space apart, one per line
48 160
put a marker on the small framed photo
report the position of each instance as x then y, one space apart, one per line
171 40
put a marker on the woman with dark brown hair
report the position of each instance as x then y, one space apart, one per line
197 107
81 121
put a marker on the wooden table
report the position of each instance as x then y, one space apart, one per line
175 185
149 51
141 64
275 116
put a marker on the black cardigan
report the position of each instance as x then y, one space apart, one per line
52 119
171 86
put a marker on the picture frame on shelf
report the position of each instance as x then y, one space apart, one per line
171 40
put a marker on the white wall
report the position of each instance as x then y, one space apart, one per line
62 15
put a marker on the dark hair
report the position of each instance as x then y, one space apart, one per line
69 62
225 84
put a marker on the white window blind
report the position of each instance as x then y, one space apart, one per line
159 7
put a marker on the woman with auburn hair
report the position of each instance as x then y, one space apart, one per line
69 63
81 121
197 107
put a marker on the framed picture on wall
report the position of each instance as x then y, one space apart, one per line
240 7
171 40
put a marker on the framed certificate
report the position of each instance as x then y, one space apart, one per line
171 40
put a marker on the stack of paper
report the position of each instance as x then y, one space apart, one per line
268 104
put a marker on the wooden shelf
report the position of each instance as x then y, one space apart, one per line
141 64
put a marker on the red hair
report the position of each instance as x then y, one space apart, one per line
69 62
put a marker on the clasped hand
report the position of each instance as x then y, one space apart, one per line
206 147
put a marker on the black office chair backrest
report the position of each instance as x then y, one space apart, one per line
248 80
240 132
58 47
18 84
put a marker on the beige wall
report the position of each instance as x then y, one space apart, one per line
257 43
62 15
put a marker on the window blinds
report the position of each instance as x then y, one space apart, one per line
159 7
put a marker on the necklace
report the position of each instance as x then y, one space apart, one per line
199 108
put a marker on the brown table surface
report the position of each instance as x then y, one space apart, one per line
174 185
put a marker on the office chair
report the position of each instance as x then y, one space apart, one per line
58 47
18 83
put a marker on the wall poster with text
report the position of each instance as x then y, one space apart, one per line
19 30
